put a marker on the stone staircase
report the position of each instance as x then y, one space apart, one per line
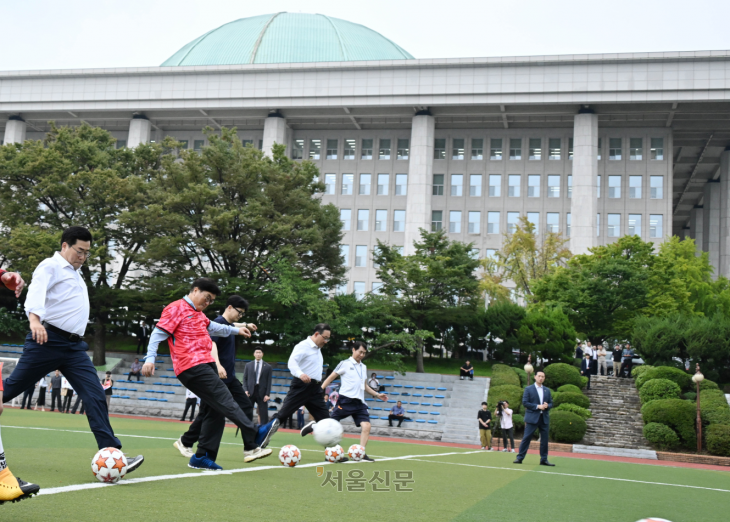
616 409
461 424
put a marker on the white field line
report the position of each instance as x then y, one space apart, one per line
96 485
571 475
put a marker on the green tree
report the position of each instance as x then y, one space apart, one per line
77 177
602 292
502 320
546 332
423 286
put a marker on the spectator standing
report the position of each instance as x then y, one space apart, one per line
396 413
190 401
257 384
42 385
136 370
585 369
28 395
466 371
628 359
108 384
77 404
334 397
374 383
578 352
485 427
504 413
56 391
327 402
617 354
300 417
594 357
143 337
65 385
602 367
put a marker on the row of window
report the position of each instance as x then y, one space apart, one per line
552 223
197 144
498 148
514 185
358 288
381 220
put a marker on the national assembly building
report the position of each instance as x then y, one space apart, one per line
593 146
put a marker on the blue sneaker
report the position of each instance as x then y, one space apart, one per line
203 462
263 437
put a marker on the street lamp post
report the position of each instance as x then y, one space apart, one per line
529 369
697 378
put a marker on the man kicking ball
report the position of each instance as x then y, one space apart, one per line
352 393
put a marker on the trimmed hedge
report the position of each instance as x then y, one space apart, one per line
682 378
503 375
656 389
677 414
661 435
638 370
718 440
689 396
559 374
566 406
707 384
518 421
583 382
569 388
714 408
522 374
566 426
509 393
572 398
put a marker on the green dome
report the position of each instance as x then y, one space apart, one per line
287 38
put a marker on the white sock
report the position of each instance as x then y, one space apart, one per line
3 464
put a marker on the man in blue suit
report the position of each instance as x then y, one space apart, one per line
537 400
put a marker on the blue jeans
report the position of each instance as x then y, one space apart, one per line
71 359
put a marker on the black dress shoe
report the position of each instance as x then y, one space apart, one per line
518 461
546 463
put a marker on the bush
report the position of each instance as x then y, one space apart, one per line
689 396
682 378
718 440
572 398
558 374
707 384
583 382
522 374
566 406
661 435
566 426
519 421
569 388
677 414
503 375
659 389
509 393
638 370
714 408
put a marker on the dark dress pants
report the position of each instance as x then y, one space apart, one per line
527 438
56 394
28 396
262 406
59 353
311 396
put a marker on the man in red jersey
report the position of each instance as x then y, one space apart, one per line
188 333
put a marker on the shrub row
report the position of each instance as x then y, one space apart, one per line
503 375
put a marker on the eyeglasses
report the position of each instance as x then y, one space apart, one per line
240 312
81 253
208 299
326 339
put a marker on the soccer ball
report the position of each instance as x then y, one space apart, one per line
327 432
653 520
290 455
109 465
334 454
356 452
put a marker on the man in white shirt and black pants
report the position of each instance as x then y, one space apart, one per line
57 305
352 392
305 364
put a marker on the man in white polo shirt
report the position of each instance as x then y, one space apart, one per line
352 392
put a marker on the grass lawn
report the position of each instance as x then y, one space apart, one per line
449 483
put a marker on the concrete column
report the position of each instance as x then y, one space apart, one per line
420 179
724 268
275 131
140 131
696 226
711 224
584 203
15 130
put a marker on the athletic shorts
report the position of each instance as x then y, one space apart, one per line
347 407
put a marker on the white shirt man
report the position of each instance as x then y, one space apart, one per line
353 375
306 359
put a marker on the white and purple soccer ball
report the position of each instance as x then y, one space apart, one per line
109 465
327 432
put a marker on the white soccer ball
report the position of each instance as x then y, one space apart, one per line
290 455
334 454
653 519
356 452
327 432
109 465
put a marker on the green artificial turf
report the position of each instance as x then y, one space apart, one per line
462 486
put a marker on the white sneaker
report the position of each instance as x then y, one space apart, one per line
184 450
483 447
513 450
258 453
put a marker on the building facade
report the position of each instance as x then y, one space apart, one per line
593 146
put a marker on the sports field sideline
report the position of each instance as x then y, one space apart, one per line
462 484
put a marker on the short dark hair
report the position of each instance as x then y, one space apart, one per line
258 350
357 345
321 328
236 301
206 284
540 371
73 234
484 404
108 373
398 401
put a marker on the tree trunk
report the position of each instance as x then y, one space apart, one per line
419 357
99 342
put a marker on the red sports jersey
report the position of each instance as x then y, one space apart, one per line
189 341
